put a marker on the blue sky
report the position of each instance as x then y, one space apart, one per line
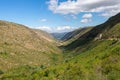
58 15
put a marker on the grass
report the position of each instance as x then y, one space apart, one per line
100 62
20 45
84 58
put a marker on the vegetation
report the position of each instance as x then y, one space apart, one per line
111 25
74 35
20 45
101 62
88 57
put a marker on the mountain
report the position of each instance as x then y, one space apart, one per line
58 35
108 30
20 45
74 34
44 35
94 55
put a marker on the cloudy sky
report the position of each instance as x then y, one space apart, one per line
58 15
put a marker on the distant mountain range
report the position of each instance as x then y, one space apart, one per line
59 35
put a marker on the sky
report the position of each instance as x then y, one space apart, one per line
58 15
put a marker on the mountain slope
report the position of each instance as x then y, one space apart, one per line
20 45
98 59
74 35
103 29
100 62
58 35
44 35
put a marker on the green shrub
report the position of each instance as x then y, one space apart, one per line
1 72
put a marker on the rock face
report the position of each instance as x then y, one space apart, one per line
99 37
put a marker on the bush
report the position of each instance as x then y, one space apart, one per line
1 72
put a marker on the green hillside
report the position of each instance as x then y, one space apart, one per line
94 55
100 62
110 24
113 33
74 35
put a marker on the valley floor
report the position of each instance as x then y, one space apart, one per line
99 60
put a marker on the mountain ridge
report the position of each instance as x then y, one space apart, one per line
96 31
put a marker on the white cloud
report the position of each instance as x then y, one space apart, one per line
44 28
109 13
73 16
87 15
86 20
63 28
77 6
43 20
56 29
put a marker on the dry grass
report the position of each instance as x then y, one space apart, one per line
20 45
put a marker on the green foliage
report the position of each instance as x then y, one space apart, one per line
99 62
4 54
1 72
90 59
